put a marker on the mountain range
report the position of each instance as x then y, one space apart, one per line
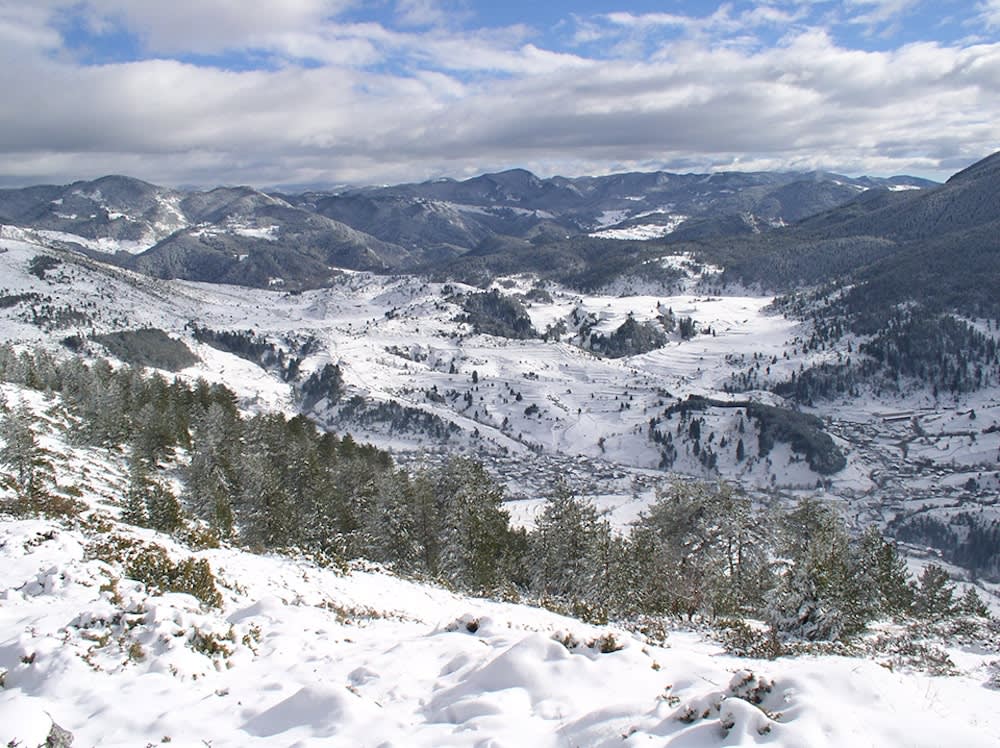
694 323
245 236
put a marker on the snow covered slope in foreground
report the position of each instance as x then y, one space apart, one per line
278 651
302 656
299 655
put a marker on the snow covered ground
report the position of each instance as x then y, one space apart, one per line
298 655
302 656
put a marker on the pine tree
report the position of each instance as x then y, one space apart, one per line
389 526
615 581
971 604
134 508
883 581
934 594
817 597
151 433
31 471
473 528
565 548
265 509
702 550
211 475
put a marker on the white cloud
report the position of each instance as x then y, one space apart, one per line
989 11
879 15
210 26
384 104
424 13
26 27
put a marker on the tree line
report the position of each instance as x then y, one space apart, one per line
269 482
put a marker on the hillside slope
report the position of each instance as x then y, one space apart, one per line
270 650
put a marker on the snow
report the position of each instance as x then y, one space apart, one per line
104 244
642 232
366 659
397 338
610 218
238 228
269 233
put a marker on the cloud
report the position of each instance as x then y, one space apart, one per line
209 26
989 11
368 102
879 15
424 13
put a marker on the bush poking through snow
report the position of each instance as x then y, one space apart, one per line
907 653
745 640
567 639
150 564
651 629
992 680
744 705
212 644
606 643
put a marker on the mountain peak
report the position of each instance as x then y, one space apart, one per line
988 167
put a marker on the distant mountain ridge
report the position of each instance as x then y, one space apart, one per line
244 236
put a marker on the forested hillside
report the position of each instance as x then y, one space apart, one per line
266 482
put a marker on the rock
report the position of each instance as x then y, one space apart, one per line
58 737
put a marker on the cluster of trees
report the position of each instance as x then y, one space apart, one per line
803 432
257 349
269 482
945 352
968 539
896 348
629 339
705 550
400 419
493 313
265 481
146 347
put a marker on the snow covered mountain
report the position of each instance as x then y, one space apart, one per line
605 363
547 383
244 236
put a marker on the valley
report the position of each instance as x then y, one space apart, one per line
545 412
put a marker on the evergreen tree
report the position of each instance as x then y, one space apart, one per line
700 548
817 597
134 508
565 548
934 594
882 580
473 527
211 475
971 604
266 511
615 581
389 525
31 471
163 508
151 432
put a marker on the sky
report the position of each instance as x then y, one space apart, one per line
288 93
